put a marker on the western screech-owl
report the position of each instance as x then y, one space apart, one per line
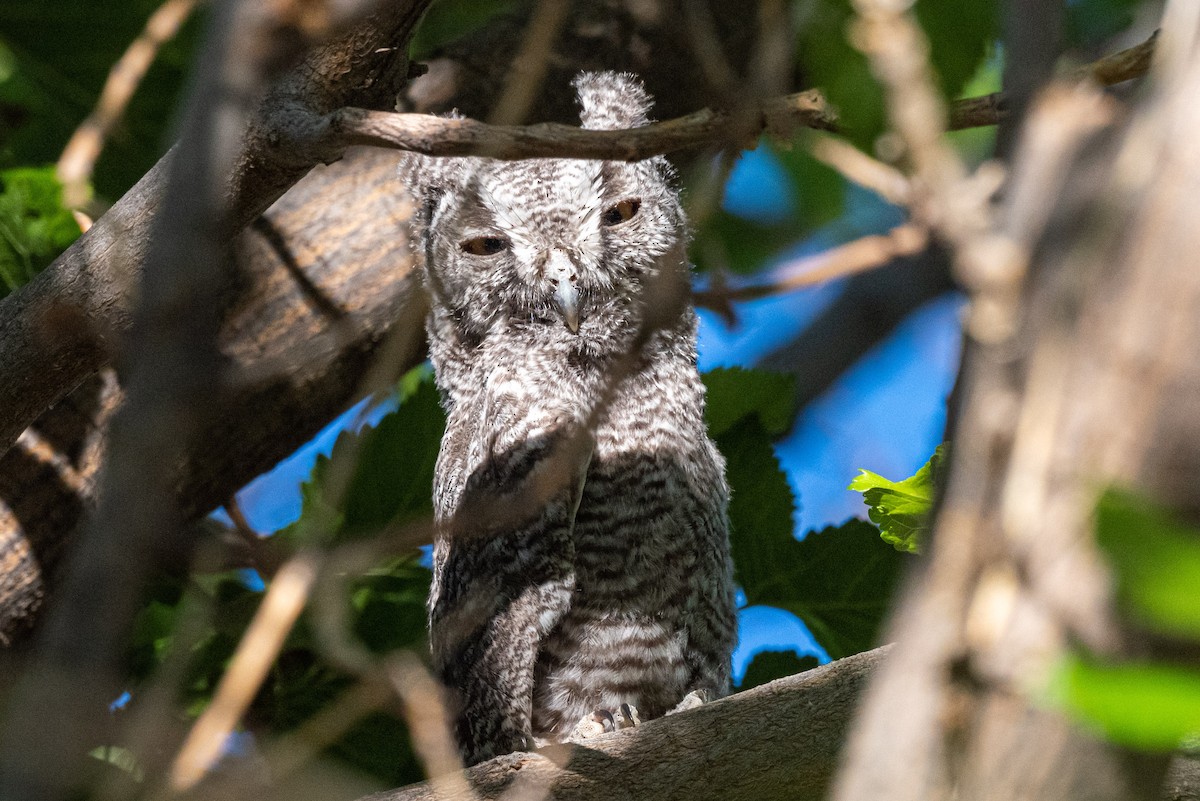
582 578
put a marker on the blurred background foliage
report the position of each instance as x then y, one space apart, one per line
814 584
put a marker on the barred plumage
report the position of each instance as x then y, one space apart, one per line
582 556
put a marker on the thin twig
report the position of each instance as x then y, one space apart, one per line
779 116
859 168
78 158
281 607
860 255
528 69
429 726
1124 65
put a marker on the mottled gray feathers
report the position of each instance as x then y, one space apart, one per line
581 558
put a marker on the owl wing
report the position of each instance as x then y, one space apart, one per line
504 563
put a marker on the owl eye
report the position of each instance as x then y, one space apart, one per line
622 212
485 245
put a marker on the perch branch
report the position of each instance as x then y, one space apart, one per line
778 741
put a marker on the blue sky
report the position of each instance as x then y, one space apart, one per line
886 414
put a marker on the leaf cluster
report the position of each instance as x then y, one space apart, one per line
374 480
903 509
839 580
34 226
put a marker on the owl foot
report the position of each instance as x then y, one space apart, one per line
603 721
692 700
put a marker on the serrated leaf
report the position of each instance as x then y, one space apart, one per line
1152 707
760 504
734 393
902 509
767 666
839 581
1156 559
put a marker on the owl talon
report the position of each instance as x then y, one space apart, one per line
692 700
603 721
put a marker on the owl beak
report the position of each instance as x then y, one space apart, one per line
562 273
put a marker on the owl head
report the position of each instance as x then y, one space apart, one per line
560 245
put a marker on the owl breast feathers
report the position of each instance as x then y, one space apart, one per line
581 566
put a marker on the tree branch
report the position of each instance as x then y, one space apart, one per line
778 741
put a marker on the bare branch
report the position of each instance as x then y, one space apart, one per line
528 69
865 253
440 136
278 613
79 156
779 741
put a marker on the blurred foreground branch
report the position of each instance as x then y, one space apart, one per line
1080 375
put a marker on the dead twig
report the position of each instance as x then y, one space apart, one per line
860 255
281 607
78 158
528 69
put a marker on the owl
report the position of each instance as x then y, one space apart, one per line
581 572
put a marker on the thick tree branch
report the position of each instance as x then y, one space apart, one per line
174 387
779 741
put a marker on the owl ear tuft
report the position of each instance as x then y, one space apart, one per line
612 100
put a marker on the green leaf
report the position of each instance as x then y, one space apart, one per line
1157 561
1153 707
1091 22
829 61
393 480
767 666
735 393
839 581
387 472
390 606
901 509
34 226
451 19
739 245
820 190
960 35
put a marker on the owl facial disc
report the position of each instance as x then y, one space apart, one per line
561 272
